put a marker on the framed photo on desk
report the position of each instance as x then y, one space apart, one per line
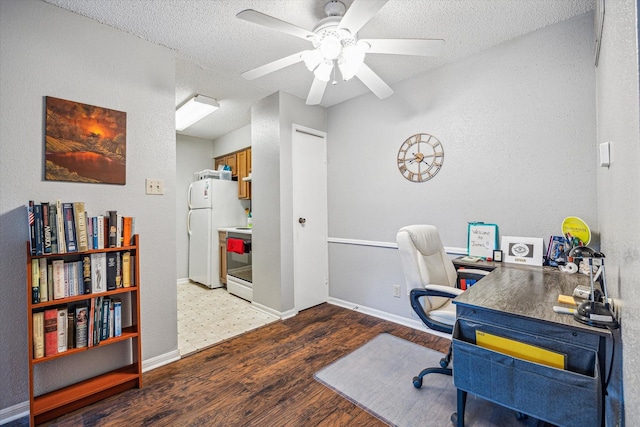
522 250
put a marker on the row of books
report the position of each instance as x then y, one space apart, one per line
58 329
53 279
58 228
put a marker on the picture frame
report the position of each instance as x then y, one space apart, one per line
497 255
522 250
482 239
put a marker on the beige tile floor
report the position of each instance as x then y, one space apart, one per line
208 316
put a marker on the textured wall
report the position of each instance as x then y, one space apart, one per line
192 155
47 51
517 123
618 196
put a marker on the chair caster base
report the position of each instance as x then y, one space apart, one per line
454 418
417 382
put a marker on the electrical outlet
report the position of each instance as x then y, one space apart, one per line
396 291
154 186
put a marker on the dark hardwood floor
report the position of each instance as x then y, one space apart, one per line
261 378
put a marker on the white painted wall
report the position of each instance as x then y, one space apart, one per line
618 196
192 155
517 123
47 51
272 203
233 141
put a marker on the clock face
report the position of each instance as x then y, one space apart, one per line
420 157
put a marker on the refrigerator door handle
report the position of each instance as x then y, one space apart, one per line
189 197
189 221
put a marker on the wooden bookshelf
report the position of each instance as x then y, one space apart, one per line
66 399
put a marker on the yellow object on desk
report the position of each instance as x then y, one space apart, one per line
566 299
521 350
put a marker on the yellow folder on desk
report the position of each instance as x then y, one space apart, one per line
521 350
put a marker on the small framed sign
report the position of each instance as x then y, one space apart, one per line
497 255
522 250
482 239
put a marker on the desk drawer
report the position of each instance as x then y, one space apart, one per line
569 397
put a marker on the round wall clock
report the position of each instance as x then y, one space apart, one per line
420 157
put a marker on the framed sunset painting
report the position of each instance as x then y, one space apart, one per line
84 143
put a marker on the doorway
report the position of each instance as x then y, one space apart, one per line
310 227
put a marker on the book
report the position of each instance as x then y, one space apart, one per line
68 272
81 226
94 230
118 270
44 285
53 223
50 281
104 318
37 218
69 227
112 270
58 278
86 274
111 320
126 231
113 228
46 228
98 272
126 269
101 226
62 329
62 245
32 227
95 324
51 331
117 318
35 281
38 334
90 321
81 325
89 233
71 328
119 231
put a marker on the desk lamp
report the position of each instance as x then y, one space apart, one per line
592 312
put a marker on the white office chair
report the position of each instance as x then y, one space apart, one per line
432 278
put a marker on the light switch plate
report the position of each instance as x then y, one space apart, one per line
154 186
604 155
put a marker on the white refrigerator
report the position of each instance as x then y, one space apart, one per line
213 203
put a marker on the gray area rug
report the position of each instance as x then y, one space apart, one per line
378 378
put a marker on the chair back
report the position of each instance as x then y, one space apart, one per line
424 261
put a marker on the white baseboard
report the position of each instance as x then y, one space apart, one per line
268 310
415 324
14 412
161 360
183 281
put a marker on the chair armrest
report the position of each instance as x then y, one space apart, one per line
442 291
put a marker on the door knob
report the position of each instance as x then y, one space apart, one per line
302 220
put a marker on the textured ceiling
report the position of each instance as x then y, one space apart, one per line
214 47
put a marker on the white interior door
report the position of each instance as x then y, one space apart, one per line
310 251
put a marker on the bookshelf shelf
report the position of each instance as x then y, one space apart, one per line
53 404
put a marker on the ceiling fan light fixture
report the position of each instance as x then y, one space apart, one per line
323 71
331 47
352 59
312 58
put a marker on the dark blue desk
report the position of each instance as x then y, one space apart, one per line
517 303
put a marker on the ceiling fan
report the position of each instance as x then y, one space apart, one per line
336 45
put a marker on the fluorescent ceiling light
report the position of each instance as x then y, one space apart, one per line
193 110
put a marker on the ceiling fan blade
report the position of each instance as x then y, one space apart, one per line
272 66
417 47
359 13
374 82
316 92
256 17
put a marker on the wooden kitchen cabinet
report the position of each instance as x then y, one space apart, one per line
244 164
229 160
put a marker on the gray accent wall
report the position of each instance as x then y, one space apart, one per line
518 126
48 51
618 186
